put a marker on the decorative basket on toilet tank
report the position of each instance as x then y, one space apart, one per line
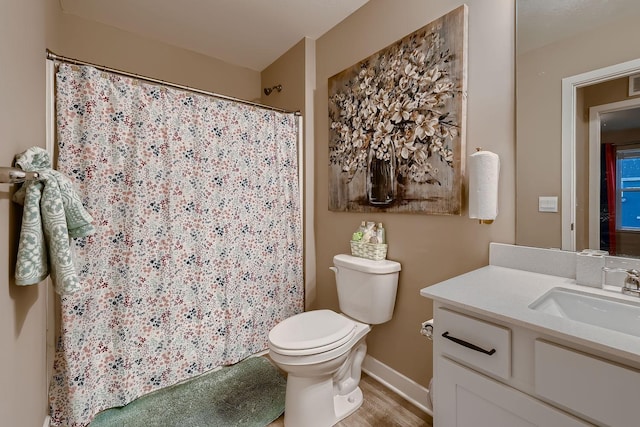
369 241
374 251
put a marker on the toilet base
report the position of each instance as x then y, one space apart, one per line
347 405
311 403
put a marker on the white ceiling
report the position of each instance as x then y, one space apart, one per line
249 33
620 120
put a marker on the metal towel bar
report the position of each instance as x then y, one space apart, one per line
16 176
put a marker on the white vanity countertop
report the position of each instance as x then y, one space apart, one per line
506 293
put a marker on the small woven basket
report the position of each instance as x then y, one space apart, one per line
374 251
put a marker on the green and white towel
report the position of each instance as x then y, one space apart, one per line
53 213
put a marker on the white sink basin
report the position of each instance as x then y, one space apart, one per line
598 310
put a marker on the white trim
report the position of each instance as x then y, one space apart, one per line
50 131
404 386
50 120
632 91
301 169
594 163
47 421
568 165
594 176
569 87
309 170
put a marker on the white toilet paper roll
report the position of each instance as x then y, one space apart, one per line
484 170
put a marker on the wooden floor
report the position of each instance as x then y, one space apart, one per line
381 408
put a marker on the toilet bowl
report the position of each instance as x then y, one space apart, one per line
322 351
322 380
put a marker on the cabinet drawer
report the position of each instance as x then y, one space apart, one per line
477 343
596 388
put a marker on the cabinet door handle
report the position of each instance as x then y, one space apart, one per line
468 344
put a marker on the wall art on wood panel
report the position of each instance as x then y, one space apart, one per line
397 124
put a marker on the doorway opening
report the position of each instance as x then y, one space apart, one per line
570 86
614 177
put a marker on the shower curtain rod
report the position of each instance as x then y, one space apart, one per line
52 56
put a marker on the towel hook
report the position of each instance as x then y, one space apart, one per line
16 176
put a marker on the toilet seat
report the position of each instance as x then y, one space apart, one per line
311 332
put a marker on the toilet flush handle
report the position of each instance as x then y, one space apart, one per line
334 269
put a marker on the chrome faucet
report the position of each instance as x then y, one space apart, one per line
631 284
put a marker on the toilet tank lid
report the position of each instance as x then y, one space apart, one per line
384 266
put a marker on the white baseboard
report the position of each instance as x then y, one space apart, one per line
47 421
400 384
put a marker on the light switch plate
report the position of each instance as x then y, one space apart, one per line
548 204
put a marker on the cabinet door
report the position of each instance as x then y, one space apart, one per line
465 398
600 390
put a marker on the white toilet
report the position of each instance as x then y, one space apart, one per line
322 351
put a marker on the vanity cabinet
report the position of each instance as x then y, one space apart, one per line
499 360
475 385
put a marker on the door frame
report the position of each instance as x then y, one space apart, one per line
595 145
570 85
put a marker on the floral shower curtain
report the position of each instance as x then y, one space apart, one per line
198 249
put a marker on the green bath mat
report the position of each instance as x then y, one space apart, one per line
247 394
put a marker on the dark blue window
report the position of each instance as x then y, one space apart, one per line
628 172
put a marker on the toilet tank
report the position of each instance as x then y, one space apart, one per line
366 288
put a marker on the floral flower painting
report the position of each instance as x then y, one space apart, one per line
397 121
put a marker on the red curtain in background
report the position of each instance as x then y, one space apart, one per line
610 161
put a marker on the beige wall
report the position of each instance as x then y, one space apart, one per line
288 71
23 395
101 44
430 248
539 123
295 71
